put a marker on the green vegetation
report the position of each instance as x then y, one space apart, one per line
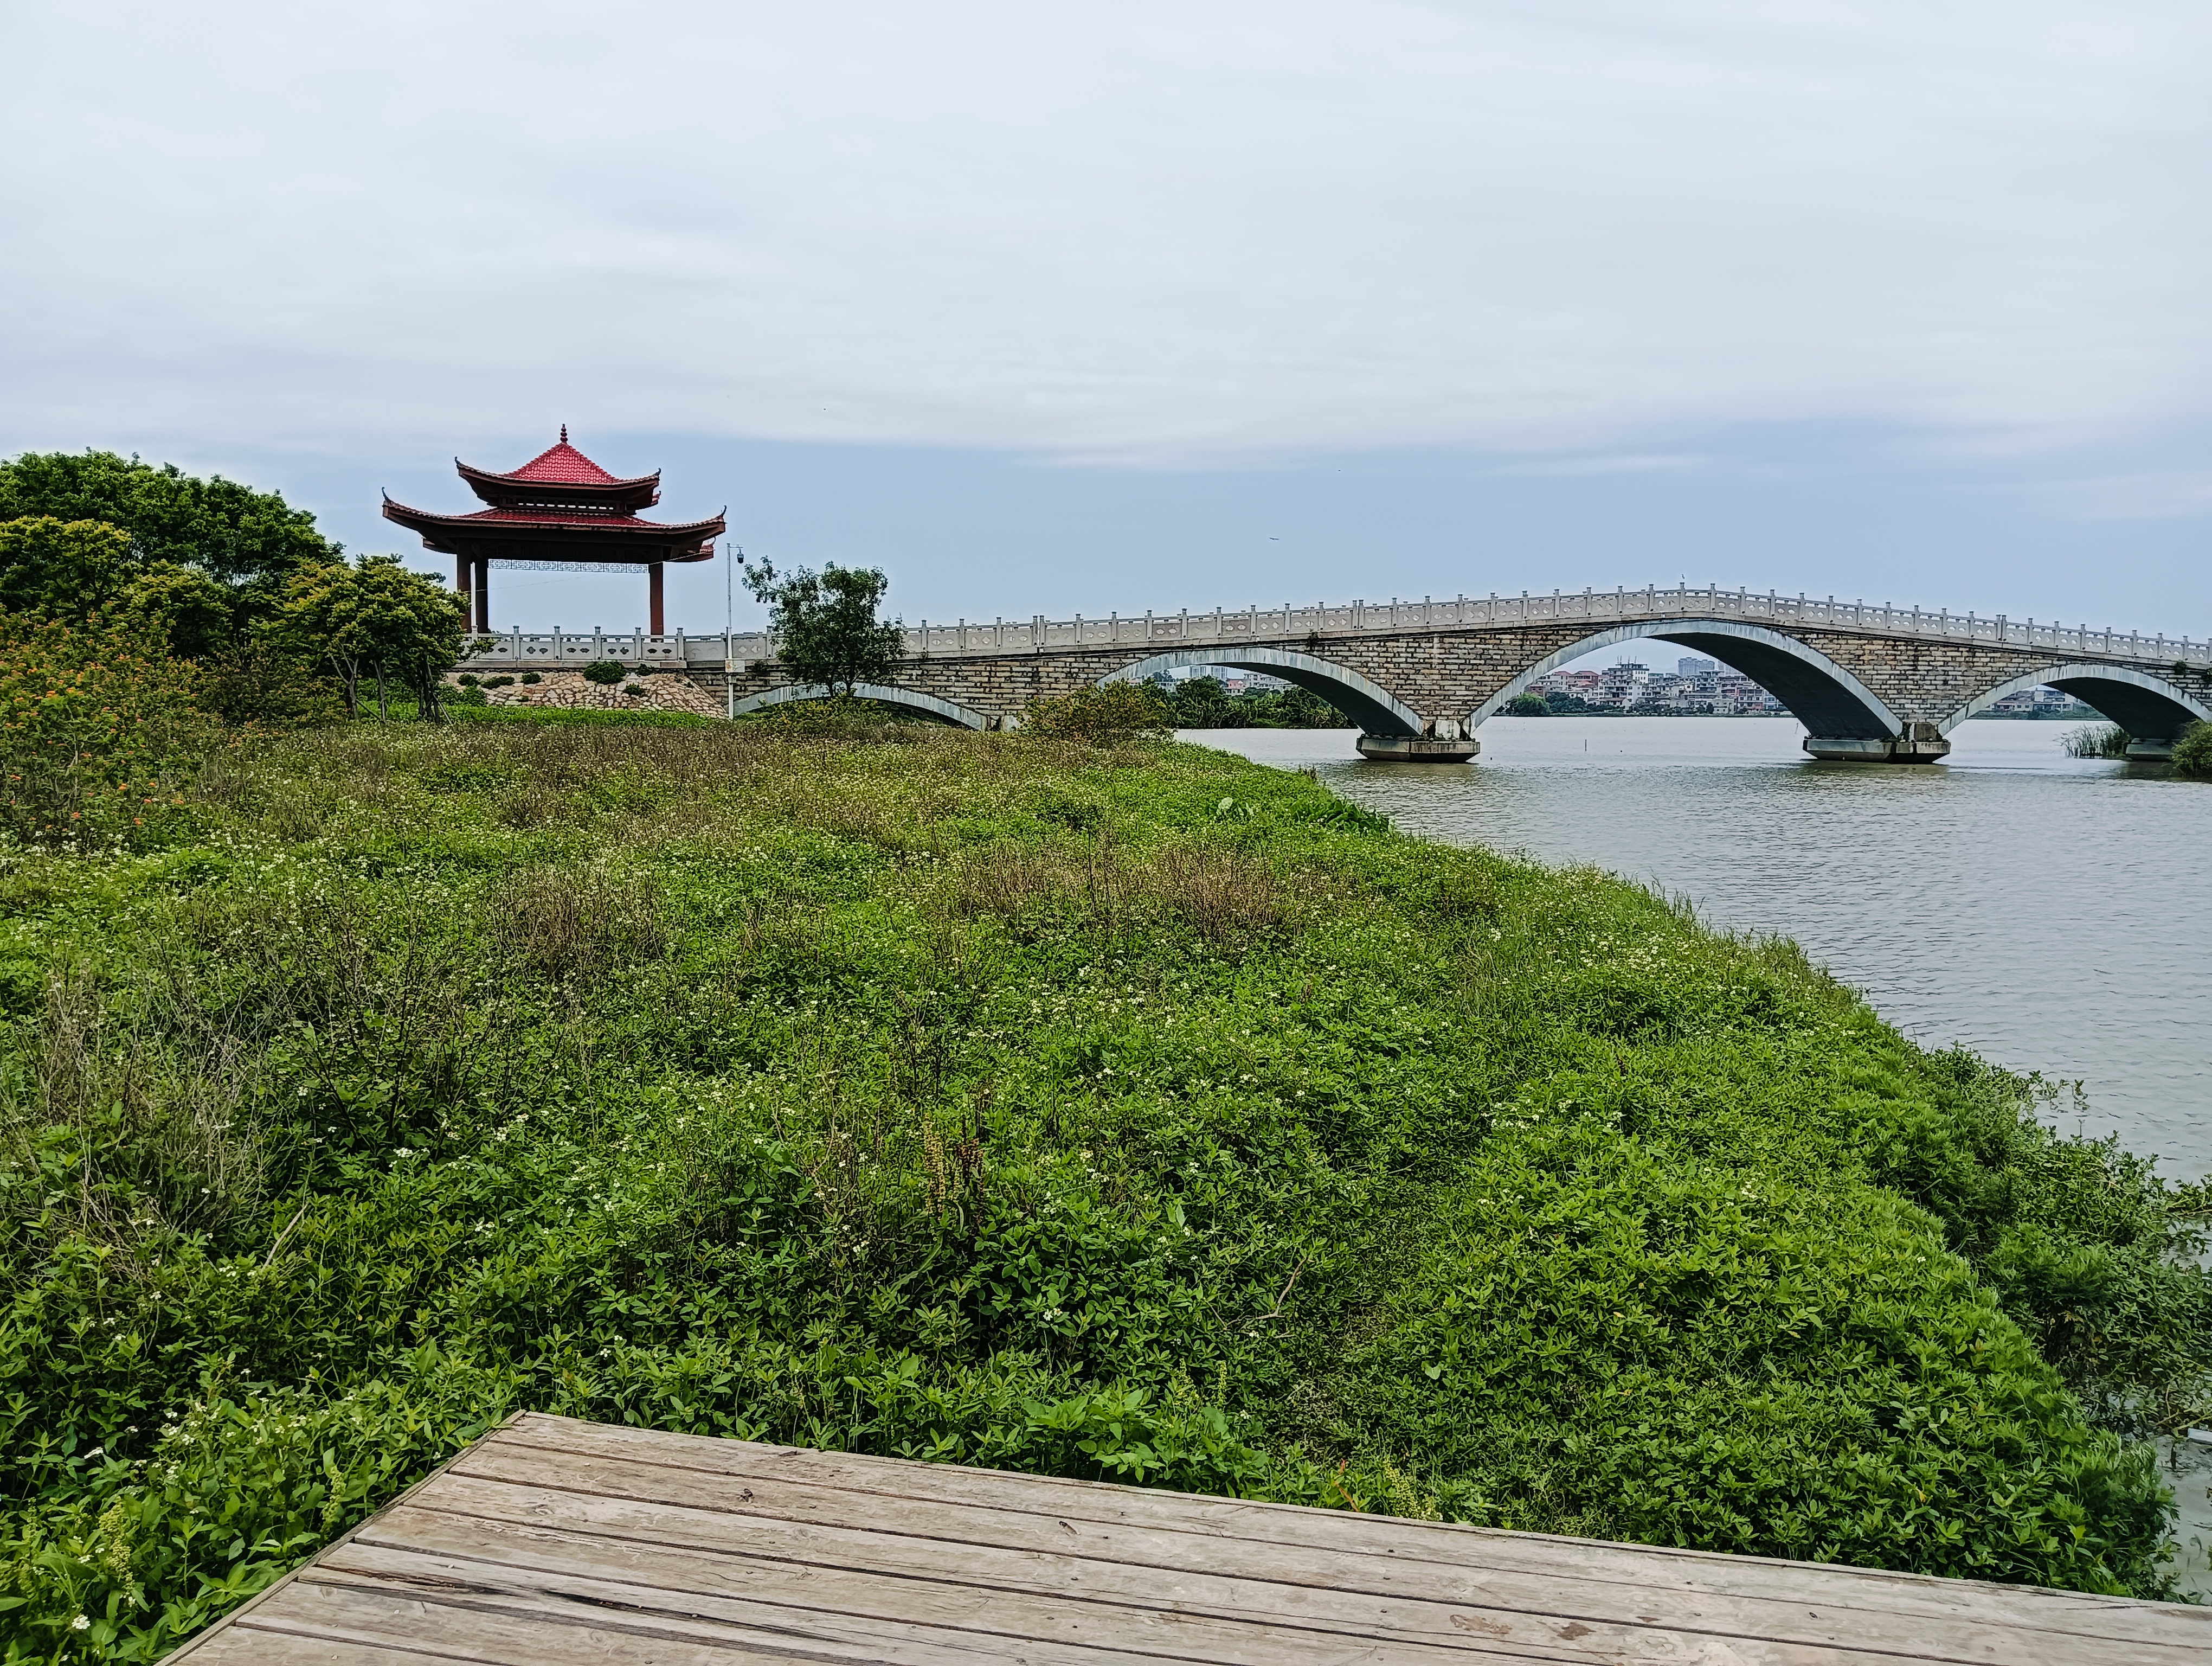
2192 754
1205 702
1128 1112
1531 704
275 623
100 734
1109 716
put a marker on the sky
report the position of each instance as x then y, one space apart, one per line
1087 308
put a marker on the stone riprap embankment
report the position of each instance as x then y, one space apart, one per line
572 691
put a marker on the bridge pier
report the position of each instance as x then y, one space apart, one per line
1921 743
1442 740
1416 749
2150 749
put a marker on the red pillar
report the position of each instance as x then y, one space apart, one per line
484 595
653 585
464 568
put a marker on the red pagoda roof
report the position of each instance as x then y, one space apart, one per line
559 506
616 525
561 475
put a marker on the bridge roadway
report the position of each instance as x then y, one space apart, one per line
1870 683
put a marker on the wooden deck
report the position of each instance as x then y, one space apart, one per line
552 1540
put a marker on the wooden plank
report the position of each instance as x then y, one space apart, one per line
879 1567
496 1617
236 1644
1709 1572
961 1592
1986 1632
838 1607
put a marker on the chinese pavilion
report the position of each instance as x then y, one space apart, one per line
559 510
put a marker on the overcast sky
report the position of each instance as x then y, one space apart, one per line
1049 307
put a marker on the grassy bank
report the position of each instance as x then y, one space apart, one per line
1138 1113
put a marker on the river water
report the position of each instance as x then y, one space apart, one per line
2051 913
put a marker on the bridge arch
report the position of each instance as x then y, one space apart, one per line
1372 706
1821 693
905 699
2152 709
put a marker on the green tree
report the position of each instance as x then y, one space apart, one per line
209 563
825 627
1203 702
250 541
375 614
62 570
1529 704
75 571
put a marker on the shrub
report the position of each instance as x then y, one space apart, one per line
532 677
469 697
607 671
99 731
468 679
1108 716
2192 753
636 691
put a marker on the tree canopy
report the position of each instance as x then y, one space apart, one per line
253 540
825 626
75 571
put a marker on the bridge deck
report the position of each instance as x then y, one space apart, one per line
553 1541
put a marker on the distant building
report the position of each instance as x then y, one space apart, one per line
1702 688
1621 686
2040 702
1737 696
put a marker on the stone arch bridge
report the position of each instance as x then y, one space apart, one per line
1873 684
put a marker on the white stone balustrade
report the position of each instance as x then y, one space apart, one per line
1226 627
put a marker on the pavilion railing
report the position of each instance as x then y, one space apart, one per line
1290 625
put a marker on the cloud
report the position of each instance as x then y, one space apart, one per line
1142 232
2149 494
